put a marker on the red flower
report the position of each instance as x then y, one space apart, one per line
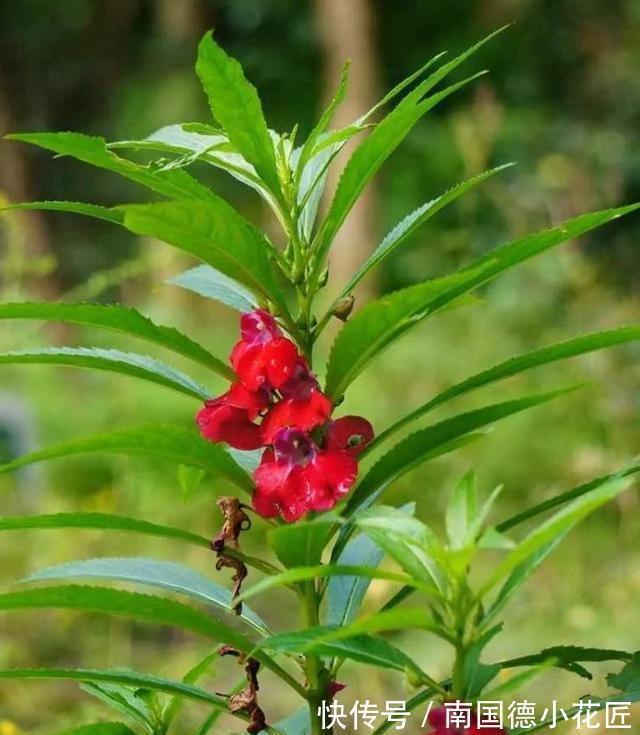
333 688
263 357
229 418
303 405
351 433
296 476
438 720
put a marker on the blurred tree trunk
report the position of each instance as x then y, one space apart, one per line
16 186
347 31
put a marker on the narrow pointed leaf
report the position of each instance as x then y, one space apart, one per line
114 361
135 606
382 321
118 319
369 157
301 544
90 210
236 106
215 233
154 573
121 676
413 221
176 184
555 527
207 281
99 522
516 365
418 447
166 442
364 648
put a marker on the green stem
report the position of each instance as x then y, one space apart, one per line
313 665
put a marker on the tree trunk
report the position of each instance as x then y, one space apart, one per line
346 30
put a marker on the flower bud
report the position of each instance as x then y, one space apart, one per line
343 307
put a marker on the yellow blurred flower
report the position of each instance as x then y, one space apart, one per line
9 728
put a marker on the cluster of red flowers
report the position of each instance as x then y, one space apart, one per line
440 723
310 460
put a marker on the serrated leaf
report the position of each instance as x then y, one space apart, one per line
168 442
100 521
627 680
563 498
176 184
207 281
123 700
382 321
136 606
516 365
153 573
411 222
567 657
234 102
113 361
118 319
421 445
120 676
547 533
365 649
367 159
215 233
90 210
301 544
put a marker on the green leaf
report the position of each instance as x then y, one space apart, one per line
168 442
515 365
346 594
309 147
189 479
301 544
90 210
114 361
176 184
136 606
120 676
100 521
369 156
627 680
461 511
154 573
195 142
123 700
215 233
299 723
365 649
411 222
303 574
207 281
406 540
563 498
547 533
422 445
477 675
382 321
235 104
568 658
99 728
118 319
133 605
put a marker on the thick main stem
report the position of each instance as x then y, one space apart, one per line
313 665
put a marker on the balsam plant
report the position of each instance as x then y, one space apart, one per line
274 439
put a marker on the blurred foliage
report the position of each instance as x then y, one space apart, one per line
561 100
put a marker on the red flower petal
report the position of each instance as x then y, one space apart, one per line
305 414
258 326
268 364
351 433
220 422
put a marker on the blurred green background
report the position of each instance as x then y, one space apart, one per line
562 100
